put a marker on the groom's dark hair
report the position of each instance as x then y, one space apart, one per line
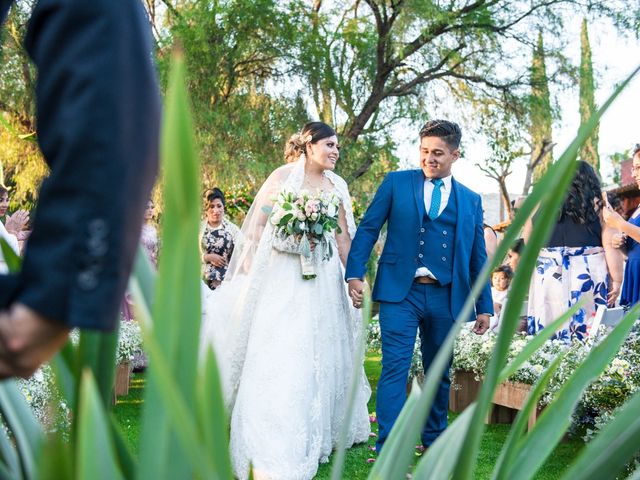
448 131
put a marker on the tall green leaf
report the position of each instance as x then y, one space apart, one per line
95 455
391 463
439 459
556 418
612 448
12 260
510 447
176 308
338 461
213 418
24 427
550 191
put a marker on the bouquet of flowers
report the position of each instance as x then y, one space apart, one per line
300 218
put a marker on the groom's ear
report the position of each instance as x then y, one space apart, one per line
456 154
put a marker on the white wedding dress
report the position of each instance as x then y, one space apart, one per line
285 347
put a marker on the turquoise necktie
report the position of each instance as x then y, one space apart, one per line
436 198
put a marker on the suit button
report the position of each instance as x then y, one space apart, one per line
444 232
444 245
444 259
421 242
87 280
422 230
420 256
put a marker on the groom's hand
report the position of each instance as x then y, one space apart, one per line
482 324
356 291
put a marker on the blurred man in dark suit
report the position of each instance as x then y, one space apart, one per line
98 115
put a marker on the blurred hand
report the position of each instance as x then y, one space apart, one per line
17 222
614 291
356 292
27 340
618 240
215 260
482 324
611 217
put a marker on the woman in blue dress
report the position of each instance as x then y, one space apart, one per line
630 240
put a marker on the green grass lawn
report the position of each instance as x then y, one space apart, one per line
128 409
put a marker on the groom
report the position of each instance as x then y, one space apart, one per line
433 253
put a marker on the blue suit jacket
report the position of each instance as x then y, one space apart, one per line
399 201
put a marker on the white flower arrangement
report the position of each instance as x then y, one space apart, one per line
42 395
606 393
129 341
45 400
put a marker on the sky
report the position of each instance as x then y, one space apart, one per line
614 58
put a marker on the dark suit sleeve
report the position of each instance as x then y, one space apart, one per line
369 230
98 115
484 303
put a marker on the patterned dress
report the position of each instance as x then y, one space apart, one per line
566 274
150 243
220 240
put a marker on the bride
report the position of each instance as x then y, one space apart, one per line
285 345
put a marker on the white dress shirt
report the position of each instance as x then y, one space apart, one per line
445 193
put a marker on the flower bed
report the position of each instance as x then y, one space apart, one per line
599 401
43 396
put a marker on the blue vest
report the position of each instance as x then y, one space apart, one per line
437 239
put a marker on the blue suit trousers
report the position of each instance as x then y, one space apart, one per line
426 309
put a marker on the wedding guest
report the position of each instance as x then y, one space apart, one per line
218 239
628 238
150 243
149 234
513 256
576 262
500 282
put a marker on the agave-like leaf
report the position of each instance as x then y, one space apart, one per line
12 260
95 456
10 463
607 454
338 461
509 448
537 341
549 193
556 417
176 306
439 459
24 427
212 415
390 464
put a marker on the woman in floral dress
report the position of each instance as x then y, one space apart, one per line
217 240
578 262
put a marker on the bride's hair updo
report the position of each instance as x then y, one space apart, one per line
310 133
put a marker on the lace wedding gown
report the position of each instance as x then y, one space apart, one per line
285 347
